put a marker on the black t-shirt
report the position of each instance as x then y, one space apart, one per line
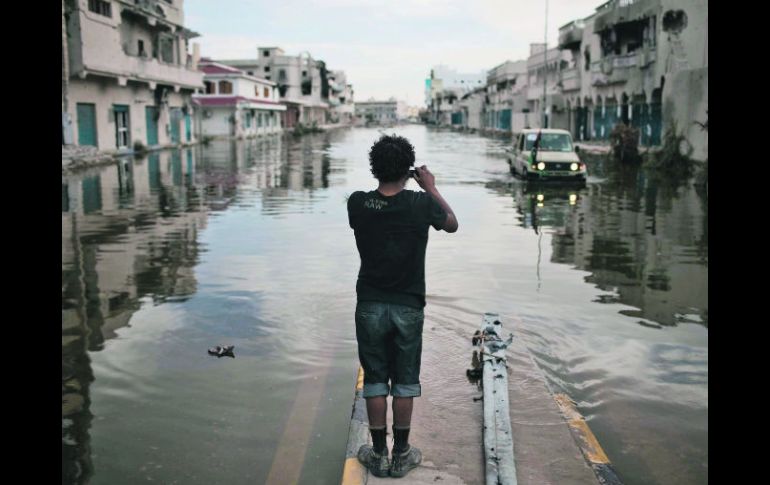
391 236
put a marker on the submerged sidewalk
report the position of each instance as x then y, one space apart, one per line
447 425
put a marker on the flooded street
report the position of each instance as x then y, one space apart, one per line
247 243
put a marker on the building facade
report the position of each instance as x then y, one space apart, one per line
341 103
302 83
235 103
127 76
506 107
444 87
640 62
378 112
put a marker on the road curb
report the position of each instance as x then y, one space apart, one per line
354 472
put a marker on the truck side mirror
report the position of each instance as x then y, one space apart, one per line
577 149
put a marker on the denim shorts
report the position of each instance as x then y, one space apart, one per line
389 347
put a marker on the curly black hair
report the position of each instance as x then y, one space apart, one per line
390 158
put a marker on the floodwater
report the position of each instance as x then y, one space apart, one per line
247 243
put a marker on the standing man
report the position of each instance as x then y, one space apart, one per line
391 229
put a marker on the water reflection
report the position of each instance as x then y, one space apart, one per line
129 231
168 255
644 242
131 237
542 204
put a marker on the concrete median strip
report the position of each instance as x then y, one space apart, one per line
553 442
354 473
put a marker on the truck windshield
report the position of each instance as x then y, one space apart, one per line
550 142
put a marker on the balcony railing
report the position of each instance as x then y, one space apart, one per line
143 68
627 60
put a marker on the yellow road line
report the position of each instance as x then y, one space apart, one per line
360 380
354 473
290 454
583 434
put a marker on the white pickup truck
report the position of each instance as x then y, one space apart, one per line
557 157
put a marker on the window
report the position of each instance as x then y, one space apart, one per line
282 75
266 91
267 77
266 53
120 117
267 68
211 88
101 7
225 87
140 45
256 91
304 73
166 48
250 73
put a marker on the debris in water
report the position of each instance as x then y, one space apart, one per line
222 351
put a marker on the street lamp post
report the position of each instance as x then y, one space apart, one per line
545 68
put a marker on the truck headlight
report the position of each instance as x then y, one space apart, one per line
573 167
541 166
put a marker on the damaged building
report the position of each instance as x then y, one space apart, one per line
470 109
341 103
127 75
544 68
302 83
444 88
506 108
639 62
387 112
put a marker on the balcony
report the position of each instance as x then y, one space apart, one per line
614 69
626 60
571 35
154 10
145 69
570 79
622 11
646 57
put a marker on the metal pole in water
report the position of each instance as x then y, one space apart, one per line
498 438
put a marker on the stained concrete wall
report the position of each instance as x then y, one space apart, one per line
105 92
685 100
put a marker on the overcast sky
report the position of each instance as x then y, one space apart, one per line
386 47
